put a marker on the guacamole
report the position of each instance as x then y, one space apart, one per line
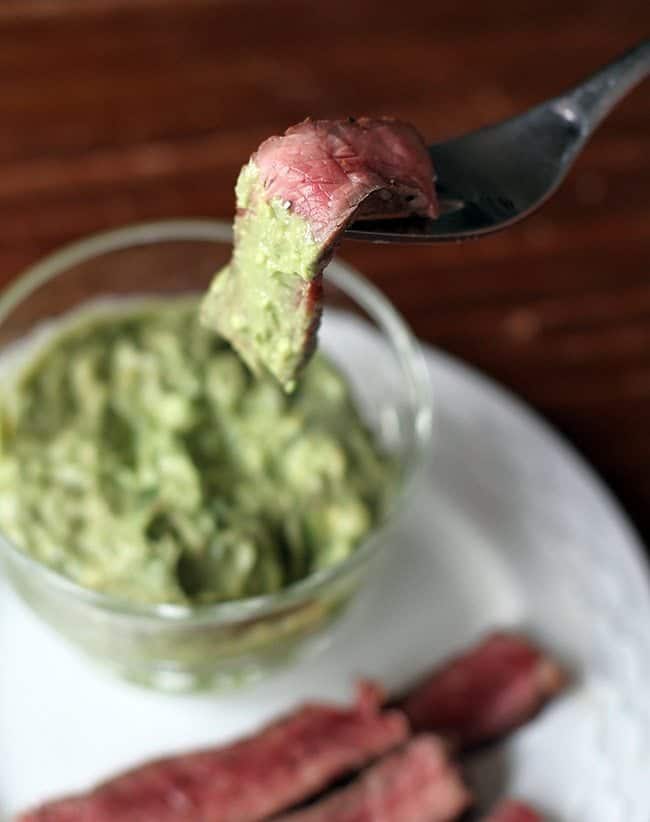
266 300
141 458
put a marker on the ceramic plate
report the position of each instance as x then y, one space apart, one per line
510 528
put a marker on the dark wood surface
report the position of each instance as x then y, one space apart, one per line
115 111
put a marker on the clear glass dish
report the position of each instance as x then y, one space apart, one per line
176 647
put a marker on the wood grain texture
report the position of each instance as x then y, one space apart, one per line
125 110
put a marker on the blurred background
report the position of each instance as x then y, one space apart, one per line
114 111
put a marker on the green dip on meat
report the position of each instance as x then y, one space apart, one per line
260 301
140 457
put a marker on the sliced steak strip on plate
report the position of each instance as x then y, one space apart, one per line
511 810
283 764
485 692
416 784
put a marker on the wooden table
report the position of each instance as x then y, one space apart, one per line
115 111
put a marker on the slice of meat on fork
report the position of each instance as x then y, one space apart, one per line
295 197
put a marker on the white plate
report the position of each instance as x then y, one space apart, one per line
512 529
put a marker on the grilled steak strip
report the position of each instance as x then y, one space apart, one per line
418 784
249 780
295 197
334 170
511 810
485 692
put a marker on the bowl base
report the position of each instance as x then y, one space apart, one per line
217 678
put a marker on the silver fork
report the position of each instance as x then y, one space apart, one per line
491 178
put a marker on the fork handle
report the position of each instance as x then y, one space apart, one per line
592 100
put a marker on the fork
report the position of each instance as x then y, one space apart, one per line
490 179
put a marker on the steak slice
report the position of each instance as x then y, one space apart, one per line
333 170
511 810
295 197
416 784
249 780
482 694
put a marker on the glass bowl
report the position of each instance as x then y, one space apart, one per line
178 647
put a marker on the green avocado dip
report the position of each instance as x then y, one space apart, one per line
139 457
265 301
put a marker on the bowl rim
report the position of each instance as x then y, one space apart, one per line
344 277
